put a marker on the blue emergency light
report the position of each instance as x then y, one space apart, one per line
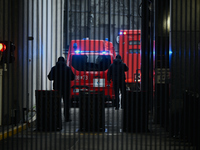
77 51
75 45
170 52
104 52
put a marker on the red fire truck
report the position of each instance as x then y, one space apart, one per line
129 49
89 61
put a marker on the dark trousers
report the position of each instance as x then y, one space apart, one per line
119 85
66 101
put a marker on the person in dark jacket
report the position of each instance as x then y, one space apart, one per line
61 75
116 72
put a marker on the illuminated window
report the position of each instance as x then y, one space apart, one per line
134 42
132 51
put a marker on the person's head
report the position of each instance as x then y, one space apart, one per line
62 59
118 57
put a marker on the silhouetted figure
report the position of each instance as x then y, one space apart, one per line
116 72
62 75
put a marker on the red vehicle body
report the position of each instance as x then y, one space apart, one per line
130 49
89 61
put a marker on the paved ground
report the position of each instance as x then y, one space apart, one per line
113 138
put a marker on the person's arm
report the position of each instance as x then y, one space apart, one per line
72 75
51 75
125 67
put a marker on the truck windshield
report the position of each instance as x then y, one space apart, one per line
90 62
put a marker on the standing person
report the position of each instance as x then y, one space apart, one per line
116 72
62 75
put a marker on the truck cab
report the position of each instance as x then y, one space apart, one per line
89 61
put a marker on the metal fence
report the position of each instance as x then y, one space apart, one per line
129 78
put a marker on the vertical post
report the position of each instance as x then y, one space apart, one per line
89 18
109 28
1 74
129 14
198 104
66 27
145 51
144 46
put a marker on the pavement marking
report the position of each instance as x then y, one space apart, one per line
17 129
12 131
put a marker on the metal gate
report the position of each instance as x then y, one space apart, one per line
100 74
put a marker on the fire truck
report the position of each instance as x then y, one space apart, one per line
89 60
130 49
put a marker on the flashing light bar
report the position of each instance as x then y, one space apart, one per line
102 52
77 51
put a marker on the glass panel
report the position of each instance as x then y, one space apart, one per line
134 51
134 42
90 62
